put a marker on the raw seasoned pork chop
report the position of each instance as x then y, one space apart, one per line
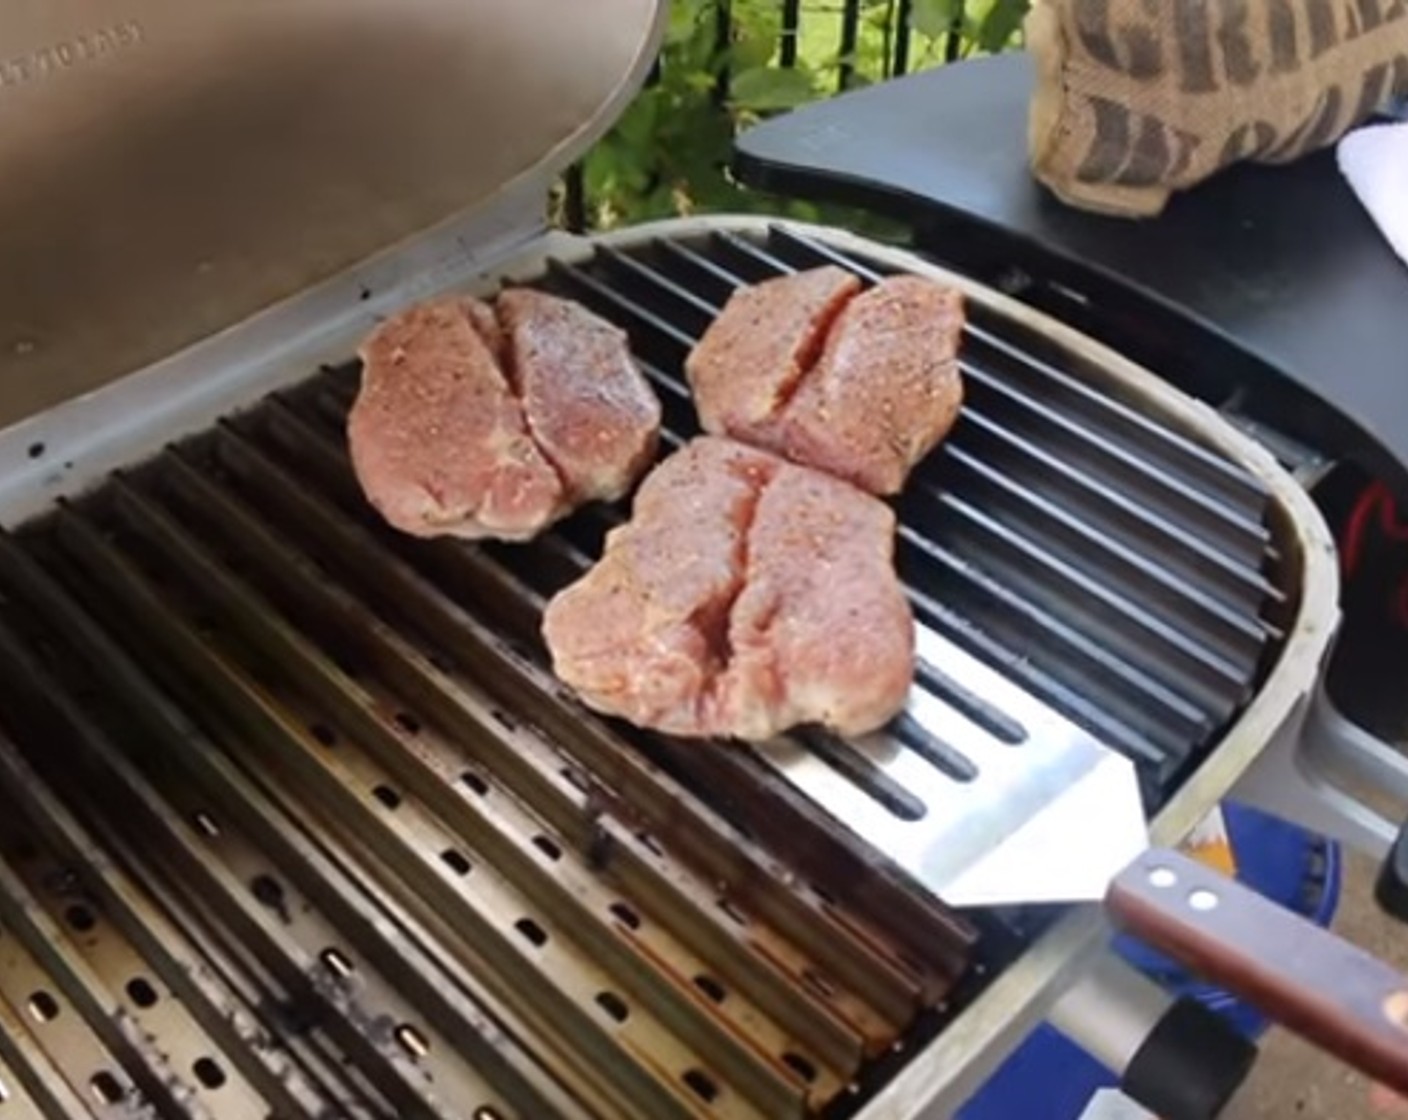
745 596
862 385
493 421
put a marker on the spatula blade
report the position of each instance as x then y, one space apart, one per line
981 792
1067 851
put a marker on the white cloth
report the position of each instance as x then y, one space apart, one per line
1374 160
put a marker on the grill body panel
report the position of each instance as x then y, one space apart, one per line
315 779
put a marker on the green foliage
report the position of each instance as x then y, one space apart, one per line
669 153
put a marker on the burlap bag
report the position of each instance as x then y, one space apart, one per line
1136 99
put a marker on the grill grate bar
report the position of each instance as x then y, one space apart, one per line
1097 453
38 1093
1085 439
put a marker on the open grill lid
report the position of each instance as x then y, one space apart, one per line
171 170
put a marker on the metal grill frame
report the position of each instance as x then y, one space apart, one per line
108 430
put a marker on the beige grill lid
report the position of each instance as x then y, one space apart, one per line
169 167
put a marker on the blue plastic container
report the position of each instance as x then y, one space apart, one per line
1050 1078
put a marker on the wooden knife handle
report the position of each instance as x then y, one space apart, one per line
1307 979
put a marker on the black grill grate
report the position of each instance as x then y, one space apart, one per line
1113 567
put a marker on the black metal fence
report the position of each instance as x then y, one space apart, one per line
838 21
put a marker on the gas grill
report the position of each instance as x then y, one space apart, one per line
298 822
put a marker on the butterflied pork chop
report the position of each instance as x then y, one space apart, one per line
745 596
862 385
494 421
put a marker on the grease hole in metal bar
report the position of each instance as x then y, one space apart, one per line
345 665
387 796
625 915
208 1072
324 734
455 861
475 782
140 992
36 450
206 823
106 1088
43 1006
614 1006
336 963
702 1084
711 988
267 891
504 720
547 847
818 983
800 1066
407 723
532 931
576 779
80 918
728 908
412 1041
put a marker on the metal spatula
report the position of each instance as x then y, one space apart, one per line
1050 815
979 791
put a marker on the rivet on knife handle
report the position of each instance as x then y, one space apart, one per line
1312 982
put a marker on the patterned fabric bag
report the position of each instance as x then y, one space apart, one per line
1137 99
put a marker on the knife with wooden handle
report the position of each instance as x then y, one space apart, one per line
1307 979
